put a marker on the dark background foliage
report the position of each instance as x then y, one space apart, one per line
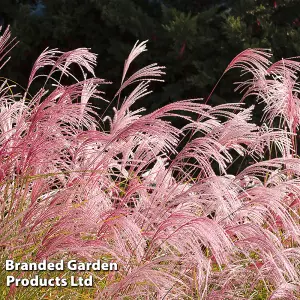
194 39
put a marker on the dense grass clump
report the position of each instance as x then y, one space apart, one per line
178 227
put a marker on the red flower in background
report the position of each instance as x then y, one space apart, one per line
182 49
296 22
153 37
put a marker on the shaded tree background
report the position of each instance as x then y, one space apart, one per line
194 39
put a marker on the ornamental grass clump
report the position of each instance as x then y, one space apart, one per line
176 222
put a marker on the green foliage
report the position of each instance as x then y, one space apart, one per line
194 39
